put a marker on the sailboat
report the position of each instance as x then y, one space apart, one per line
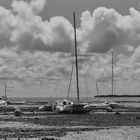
113 104
69 106
3 100
98 106
78 107
105 105
64 105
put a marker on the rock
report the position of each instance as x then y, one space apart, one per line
109 109
17 112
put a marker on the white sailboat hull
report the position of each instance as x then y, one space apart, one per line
3 103
70 107
63 106
98 106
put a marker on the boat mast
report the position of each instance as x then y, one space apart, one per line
97 88
76 62
112 75
5 94
70 82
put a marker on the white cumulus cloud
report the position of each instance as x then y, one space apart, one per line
33 49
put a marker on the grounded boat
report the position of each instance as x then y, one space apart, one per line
3 99
106 105
3 102
94 106
62 106
66 106
77 106
47 107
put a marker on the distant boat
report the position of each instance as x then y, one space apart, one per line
96 106
113 104
3 99
47 107
123 95
106 105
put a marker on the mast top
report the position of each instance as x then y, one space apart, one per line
76 61
112 75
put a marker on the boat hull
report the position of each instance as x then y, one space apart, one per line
80 108
72 108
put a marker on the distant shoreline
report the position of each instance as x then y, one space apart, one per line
117 95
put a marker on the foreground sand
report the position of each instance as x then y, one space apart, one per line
96 126
116 133
104 133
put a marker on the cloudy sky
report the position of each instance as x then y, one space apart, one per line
37 42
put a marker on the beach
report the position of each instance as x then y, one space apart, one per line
122 123
96 126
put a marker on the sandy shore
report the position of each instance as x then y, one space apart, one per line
96 126
104 133
118 133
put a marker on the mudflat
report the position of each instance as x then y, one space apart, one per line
38 124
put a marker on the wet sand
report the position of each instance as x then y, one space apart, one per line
116 133
62 126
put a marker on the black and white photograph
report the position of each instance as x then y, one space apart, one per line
69 69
